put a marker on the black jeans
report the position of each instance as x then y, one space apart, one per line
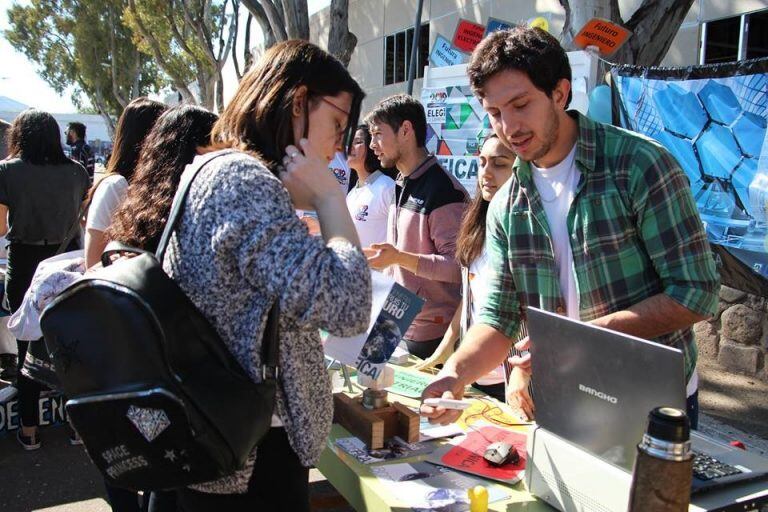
22 263
279 483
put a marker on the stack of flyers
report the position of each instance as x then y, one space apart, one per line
423 486
395 448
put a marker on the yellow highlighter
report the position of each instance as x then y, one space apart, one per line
478 499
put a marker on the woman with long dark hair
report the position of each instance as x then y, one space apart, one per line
105 196
495 169
172 144
369 199
239 249
140 219
40 195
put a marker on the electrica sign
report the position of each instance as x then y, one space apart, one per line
468 35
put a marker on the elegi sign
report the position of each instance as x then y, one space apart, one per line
456 127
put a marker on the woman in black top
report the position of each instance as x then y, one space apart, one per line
40 195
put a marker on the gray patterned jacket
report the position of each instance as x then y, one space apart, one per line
239 246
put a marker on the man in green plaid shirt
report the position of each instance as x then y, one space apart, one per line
596 223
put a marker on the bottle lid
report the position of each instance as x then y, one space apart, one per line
669 424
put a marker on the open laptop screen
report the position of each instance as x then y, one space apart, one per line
595 387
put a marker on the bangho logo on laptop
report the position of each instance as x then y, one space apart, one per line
598 394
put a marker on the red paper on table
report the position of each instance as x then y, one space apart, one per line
468 35
467 455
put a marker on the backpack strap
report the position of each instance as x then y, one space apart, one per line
270 365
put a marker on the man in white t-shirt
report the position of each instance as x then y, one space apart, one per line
596 223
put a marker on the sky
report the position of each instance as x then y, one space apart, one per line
19 79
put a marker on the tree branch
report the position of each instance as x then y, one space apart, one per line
158 55
257 11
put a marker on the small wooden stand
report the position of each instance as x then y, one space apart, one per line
374 426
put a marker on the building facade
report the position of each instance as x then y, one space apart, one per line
713 31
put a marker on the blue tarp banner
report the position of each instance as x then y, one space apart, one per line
713 119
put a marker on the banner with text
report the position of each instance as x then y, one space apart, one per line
456 127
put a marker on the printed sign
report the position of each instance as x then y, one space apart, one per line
468 34
393 309
50 411
455 138
605 35
435 113
409 384
463 168
495 24
444 54
466 454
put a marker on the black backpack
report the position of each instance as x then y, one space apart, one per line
153 391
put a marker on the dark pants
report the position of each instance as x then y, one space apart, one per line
279 483
123 500
22 263
422 349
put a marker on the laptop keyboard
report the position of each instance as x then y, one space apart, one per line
706 467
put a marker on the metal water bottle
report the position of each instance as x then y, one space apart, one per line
661 479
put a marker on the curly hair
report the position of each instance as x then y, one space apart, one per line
169 147
532 51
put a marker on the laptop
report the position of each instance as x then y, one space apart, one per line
594 387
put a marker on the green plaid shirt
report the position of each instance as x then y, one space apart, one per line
635 232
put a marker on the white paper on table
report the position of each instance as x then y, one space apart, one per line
423 486
346 350
429 432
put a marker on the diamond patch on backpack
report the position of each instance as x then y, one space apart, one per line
150 422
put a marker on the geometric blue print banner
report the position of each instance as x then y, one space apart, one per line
713 119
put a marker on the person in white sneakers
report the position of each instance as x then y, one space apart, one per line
369 200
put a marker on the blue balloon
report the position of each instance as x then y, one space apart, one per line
600 104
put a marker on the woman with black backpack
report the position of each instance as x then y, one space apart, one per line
239 248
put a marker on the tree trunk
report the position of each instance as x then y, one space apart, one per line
296 18
654 26
341 42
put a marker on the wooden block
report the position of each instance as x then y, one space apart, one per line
374 427
362 423
408 423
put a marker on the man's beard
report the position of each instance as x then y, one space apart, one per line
550 135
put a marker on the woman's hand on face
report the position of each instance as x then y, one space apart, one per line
307 177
